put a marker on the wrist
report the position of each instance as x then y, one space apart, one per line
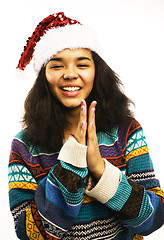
98 170
107 185
73 153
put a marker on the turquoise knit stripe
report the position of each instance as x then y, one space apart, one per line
93 210
82 172
17 196
121 196
136 141
107 138
140 163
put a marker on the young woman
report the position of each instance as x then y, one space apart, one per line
80 169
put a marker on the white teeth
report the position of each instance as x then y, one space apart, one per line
71 89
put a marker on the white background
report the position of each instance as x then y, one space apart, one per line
131 33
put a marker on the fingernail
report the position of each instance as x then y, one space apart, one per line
72 135
93 110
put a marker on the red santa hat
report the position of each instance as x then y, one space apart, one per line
53 34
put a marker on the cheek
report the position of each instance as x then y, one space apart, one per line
52 78
89 79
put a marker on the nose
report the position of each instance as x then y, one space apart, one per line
70 74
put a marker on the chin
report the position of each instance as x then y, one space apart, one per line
72 104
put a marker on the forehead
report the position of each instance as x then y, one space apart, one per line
74 53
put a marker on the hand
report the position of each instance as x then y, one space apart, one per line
95 163
80 133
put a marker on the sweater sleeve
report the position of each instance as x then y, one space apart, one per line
45 209
59 196
22 187
135 197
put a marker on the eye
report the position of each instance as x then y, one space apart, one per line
56 67
83 65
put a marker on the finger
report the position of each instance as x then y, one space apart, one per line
91 117
91 122
83 114
80 134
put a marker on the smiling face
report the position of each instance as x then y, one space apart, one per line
70 75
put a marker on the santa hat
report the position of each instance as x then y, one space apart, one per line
53 34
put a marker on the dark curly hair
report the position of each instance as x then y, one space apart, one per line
45 116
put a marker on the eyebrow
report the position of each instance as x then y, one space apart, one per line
83 58
61 59
55 59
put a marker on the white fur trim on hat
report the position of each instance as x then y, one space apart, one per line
57 39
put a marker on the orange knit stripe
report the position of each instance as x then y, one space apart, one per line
22 185
137 152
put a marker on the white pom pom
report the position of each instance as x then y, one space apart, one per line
27 74
20 74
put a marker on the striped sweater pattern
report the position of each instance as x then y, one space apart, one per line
53 198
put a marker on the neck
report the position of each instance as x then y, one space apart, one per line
72 116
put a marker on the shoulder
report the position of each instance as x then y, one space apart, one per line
131 125
22 136
134 127
129 128
23 143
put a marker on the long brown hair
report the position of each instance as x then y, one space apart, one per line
45 116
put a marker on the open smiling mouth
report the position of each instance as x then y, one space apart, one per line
70 89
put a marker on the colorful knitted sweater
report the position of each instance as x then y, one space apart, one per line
53 196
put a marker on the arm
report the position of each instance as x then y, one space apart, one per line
22 187
44 209
136 199
59 197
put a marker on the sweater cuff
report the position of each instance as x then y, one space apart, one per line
107 185
73 153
